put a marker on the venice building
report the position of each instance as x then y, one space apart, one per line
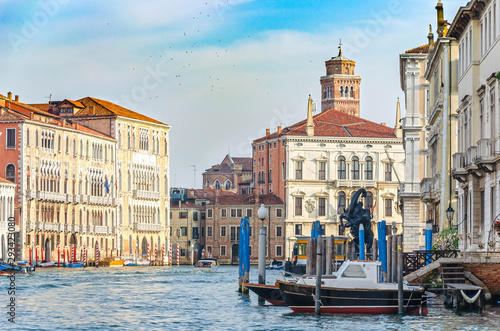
7 197
232 174
316 165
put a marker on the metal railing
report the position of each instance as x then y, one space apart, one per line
419 259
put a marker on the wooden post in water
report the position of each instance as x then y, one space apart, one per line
400 274
389 259
394 258
319 254
311 257
329 254
375 249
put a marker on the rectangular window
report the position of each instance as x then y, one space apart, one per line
209 249
210 231
195 216
183 252
195 233
388 172
249 212
183 231
223 212
279 250
210 213
223 231
321 206
279 231
298 169
298 229
182 214
388 207
223 250
298 206
323 229
283 170
235 233
322 171
11 138
279 212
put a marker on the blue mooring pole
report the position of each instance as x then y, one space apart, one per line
428 239
244 254
362 244
382 247
316 230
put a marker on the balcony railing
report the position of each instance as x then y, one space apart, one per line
147 227
76 228
101 229
458 161
484 149
471 156
69 198
148 195
30 194
84 229
356 183
85 198
77 199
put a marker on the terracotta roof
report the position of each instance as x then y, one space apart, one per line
3 180
334 123
184 205
246 162
75 103
420 49
106 108
211 192
249 199
220 169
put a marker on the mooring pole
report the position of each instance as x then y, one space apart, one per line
319 253
428 241
400 274
382 246
311 256
329 255
394 258
362 245
389 259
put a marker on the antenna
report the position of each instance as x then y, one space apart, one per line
194 174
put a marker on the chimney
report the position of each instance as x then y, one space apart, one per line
310 123
268 131
440 19
430 37
9 96
16 97
279 129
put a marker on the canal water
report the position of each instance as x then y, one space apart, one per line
175 298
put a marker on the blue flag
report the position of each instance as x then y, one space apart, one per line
106 185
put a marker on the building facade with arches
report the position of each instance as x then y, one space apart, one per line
7 196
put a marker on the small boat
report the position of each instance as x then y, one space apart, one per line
276 265
133 262
112 262
74 265
354 288
14 268
207 264
271 293
46 264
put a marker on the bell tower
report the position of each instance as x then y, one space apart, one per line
340 86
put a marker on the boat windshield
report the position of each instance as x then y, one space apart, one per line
354 271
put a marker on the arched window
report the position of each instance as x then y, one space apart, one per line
28 137
59 143
217 184
228 185
355 168
342 168
369 200
10 173
352 91
341 91
36 138
342 202
369 168
208 183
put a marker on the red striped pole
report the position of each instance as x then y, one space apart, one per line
170 254
96 254
163 254
156 252
72 253
84 255
148 257
58 254
31 247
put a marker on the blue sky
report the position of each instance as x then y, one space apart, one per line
218 71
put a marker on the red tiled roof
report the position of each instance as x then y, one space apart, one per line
220 169
246 162
420 49
249 199
3 180
184 205
106 108
334 123
77 104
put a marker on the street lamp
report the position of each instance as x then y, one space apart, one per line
449 214
262 214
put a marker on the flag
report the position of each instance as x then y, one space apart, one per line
106 185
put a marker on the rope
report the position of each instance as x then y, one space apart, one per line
473 299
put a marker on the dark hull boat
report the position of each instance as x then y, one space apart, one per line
354 289
300 298
270 293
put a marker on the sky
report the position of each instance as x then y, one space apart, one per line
219 72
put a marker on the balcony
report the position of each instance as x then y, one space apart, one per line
68 227
76 228
430 188
355 183
30 194
77 199
147 195
458 171
69 198
471 156
84 229
147 227
30 226
101 229
51 227
485 157
85 199
91 229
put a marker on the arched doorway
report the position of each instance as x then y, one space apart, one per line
144 247
47 250
235 253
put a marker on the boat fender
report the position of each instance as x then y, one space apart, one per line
473 299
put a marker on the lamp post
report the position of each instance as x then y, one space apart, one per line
262 213
449 214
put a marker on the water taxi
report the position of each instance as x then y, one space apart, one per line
208 264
